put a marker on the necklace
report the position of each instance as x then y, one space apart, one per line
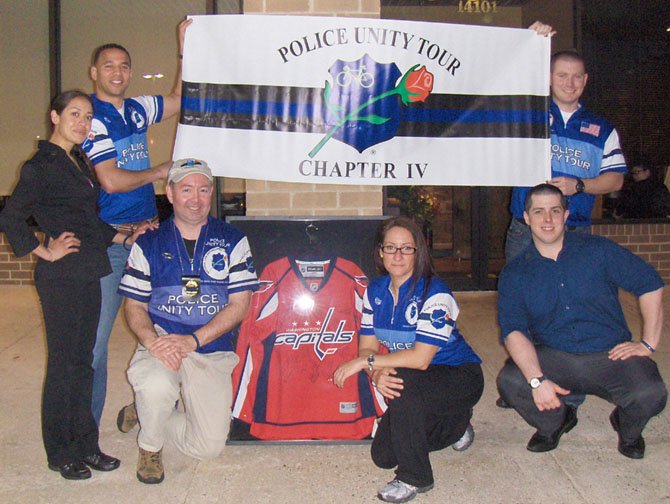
190 283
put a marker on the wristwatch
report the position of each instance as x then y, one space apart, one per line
536 381
371 362
579 188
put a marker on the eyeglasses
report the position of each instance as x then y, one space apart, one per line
404 250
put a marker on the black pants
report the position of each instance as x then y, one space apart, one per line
634 385
432 412
71 309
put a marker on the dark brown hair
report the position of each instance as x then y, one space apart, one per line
58 104
423 263
545 189
62 100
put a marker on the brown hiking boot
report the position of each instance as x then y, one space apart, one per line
127 418
150 467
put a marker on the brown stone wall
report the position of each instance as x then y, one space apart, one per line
279 198
349 8
13 270
651 242
282 198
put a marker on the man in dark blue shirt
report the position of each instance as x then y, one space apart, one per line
563 326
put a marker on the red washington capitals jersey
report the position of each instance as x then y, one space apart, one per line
303 323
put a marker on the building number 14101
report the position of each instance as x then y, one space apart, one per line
477 6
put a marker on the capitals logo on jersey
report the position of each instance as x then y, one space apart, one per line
317 335
304 323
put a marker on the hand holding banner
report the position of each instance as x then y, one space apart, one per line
365 101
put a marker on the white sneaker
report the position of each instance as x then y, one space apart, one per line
466 439
399 491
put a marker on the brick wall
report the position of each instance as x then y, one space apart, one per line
651 242
269 198
349 8
281 198
13 270
277 198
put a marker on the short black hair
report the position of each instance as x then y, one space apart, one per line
568 55
544 189
98 51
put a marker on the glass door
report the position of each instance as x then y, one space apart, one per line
464 226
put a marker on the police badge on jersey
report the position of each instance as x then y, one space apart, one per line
412 312
216 263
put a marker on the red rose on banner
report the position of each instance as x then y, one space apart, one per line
419 83
413 87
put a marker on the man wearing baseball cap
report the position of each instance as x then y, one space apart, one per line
187 285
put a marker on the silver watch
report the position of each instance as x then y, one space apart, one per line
535 382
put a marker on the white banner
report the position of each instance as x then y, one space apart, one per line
365 101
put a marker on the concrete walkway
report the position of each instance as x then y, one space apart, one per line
585 468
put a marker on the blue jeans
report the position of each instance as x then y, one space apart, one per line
111 302
518 238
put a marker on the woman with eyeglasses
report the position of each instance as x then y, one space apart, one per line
417 359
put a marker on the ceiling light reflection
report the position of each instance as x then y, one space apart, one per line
304 303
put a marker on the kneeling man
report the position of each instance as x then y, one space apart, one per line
187 285
563 326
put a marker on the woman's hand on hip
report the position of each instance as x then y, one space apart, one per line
66 243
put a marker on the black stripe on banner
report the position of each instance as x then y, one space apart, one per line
293 109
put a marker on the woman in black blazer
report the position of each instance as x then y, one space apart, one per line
58 189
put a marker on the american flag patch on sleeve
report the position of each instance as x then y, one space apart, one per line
589 128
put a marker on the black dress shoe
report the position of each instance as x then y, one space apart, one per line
634 450
72 471
539 443
101 462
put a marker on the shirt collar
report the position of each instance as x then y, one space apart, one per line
556 111
404 288
570 241
101 104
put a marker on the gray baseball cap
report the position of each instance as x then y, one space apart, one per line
186 167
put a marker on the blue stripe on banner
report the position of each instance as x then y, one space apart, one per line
302 110
310 111
283 109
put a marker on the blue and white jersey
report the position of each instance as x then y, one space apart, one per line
158 261
124 138
585 147
431 321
